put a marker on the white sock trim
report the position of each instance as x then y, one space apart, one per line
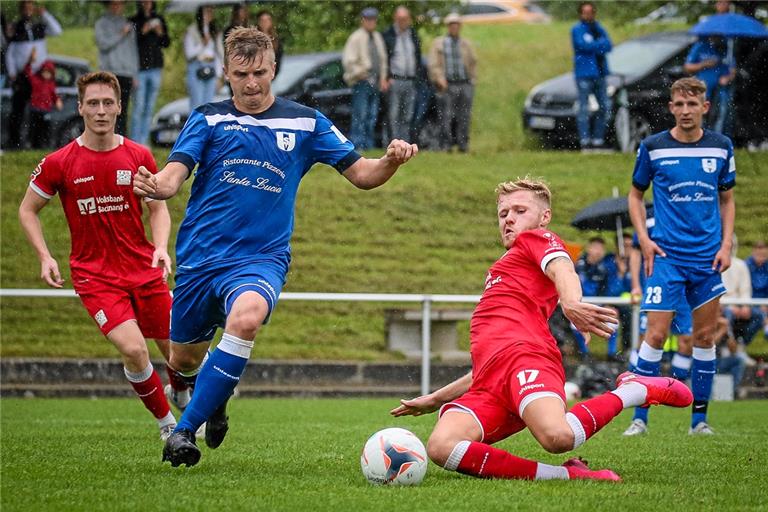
704 354
168 419
631 394
579 435
235 346
548 472
650 354
456 455
680 361
141 376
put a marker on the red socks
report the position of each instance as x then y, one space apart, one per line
176 380
485 461
588 417
149 387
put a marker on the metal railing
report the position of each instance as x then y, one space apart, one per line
426 301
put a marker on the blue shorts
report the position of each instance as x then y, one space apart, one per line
682 323
674 287
202 300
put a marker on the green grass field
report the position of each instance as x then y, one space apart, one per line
297 455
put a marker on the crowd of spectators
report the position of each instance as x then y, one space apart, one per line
390 63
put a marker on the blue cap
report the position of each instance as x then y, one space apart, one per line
369 12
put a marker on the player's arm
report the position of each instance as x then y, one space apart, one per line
163 185
727 218
588 318
30 222
430 403
160 227
634 273
638 215
368 173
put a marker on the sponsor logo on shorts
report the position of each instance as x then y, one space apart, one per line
529 387
100 317
718 287
124 177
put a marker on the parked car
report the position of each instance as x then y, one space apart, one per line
642 69
66 124
313 79
503 11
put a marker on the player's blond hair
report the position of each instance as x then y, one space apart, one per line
535 185
688 86
246 43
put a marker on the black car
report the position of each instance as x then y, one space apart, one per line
66 124
313 79
638 88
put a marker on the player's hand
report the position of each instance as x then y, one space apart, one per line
416 406
722 260
49 272
399 152
144 183
161 257
635 295
650 249
590 318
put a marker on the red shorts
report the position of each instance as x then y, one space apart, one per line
502 389
148 304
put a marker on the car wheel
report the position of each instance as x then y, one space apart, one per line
630 129
72 130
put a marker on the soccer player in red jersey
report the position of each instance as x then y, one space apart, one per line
118 274
517 377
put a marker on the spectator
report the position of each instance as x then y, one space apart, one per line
151 38
728 361
599 276
709 62
42 100
4 37
757 264
239 18
204 52
265 23
625 277
591 45
28 32
744 320
404 57
118 53
452 68
365 70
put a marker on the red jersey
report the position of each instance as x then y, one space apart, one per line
518 299
103 213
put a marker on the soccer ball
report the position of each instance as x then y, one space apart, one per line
394 456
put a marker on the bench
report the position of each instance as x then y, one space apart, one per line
403 328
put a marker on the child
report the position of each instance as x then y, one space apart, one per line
42 100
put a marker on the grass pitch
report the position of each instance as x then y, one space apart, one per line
304 455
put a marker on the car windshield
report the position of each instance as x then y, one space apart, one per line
291 70
637 58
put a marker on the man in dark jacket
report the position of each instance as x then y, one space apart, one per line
404 54
591 45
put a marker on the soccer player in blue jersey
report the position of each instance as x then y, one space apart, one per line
693 172
233 248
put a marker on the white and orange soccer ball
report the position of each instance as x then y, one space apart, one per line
394 456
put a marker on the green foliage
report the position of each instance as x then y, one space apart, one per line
296 455
625 12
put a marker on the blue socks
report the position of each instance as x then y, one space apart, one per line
702 375
648 365
216 381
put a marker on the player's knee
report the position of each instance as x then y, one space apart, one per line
245 323
184 362
655 338
556 439
136 355
439 448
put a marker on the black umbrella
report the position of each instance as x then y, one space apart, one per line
610 213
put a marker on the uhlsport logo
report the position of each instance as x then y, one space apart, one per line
709 165
286 141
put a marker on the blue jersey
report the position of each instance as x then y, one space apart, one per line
686 179
241 206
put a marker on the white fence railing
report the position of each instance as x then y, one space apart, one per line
426 301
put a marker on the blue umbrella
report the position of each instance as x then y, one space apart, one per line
730 25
